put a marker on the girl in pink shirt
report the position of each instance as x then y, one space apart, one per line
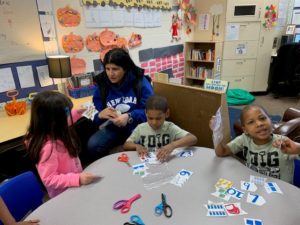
53 145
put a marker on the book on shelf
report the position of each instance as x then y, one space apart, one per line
200 72
200 54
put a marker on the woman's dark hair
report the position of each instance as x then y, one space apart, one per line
119 57
49 121
156 102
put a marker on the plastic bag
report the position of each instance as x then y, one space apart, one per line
157 175
217 129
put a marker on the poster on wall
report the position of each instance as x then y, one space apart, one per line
7 81
20 34
109 16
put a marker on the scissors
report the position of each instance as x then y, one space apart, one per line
124 158
135 220
125 205
163 207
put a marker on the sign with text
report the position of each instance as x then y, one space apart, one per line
216 85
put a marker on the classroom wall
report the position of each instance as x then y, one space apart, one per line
151 37
211 7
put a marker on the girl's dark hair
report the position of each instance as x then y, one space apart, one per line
49 121
247 108
156 102
119 57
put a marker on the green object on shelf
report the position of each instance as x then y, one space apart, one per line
239 97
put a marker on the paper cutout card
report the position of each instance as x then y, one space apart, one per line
272 187
181 177
215 209
257 180
249 221
248 186
255 199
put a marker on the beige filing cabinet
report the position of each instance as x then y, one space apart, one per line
197 66
247 45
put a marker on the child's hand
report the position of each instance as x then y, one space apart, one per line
27 222
212 122
80 111
164 152
87 178
287 146
141 150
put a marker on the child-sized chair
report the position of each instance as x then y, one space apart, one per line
297 173
22 194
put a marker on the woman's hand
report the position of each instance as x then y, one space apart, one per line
108 113
121 120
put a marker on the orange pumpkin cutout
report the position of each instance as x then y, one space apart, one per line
72 43
78 65
108 38
92 43
68 17
121 42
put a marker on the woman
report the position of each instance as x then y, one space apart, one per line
120 99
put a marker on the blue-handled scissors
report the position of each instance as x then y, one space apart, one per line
163 207
125 205
135 220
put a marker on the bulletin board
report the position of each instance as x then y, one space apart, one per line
20 32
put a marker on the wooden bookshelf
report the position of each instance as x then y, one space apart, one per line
202 60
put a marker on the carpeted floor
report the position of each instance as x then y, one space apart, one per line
234 115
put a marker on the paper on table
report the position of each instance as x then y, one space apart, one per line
7 80
25 75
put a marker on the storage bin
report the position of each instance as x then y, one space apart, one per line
82 91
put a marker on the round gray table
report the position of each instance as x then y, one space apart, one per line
92 204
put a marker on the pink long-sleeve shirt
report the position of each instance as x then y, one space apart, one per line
56 168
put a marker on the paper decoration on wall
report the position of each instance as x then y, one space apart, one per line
175 27
270 17
173 62
121 42
7 80
68 17
216 10
104 51
135 40
108 38
152 4
72 43
188 12
78 65
110 16
48 27
43 75
92 43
